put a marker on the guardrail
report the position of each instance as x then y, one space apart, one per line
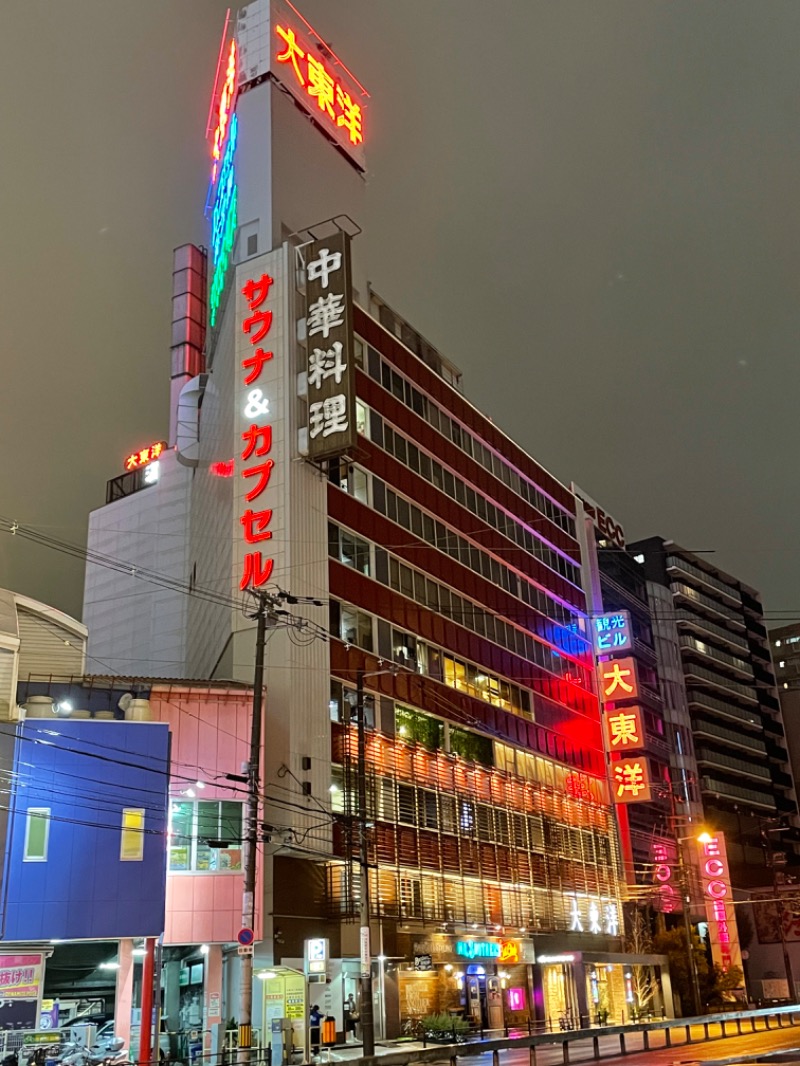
711 1026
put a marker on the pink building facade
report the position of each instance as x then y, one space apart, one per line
210 737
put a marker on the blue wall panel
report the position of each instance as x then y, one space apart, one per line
86 773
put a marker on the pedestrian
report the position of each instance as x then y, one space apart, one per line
315 1025
350 1018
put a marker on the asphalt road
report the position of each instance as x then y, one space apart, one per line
741 1049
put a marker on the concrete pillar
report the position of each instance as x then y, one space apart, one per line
213 993
124 992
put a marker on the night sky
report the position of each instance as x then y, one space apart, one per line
590 207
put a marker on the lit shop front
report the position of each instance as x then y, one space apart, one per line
488 980
577 989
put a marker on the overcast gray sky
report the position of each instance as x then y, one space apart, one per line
591 206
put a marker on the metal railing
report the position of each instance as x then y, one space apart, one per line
629 1039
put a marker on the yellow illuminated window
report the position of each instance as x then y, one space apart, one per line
131 848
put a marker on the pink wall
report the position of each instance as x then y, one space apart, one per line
210 729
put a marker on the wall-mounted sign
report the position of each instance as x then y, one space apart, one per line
609 529
330 375
317 954
223 192
723 933
256 459
593 916
624 729
549 960
618 681
612 633
669 899
20 976
502 950
630 781
423 963
145 455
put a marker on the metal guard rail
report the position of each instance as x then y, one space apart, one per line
473 1048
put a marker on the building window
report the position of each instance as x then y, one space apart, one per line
131 845
356 628
37 834
419 728
205 836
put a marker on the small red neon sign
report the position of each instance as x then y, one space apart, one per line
325 92
257 439
147 455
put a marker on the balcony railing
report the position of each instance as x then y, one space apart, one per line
725 684
735 792
712 652
747 768
729 710
720 609
742 740
674 562
700 622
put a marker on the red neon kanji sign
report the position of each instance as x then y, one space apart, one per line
145 455
325 91
257 438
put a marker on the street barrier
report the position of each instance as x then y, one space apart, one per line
633 1039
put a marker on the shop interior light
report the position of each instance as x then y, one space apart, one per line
449 968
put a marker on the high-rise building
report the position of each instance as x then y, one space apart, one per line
323 452
737 729
658 726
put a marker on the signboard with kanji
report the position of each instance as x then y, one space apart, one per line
612 633
330 375
618 681
263 333
624 729
630 781
275 39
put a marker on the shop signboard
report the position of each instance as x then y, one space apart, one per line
317 954
423 963
667 888
259 444
442 949
718 895
630 781
618 680
330 373
20 976
612 633
275 39
624 729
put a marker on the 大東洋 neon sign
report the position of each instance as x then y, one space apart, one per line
145 455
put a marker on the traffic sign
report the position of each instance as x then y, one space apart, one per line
246 936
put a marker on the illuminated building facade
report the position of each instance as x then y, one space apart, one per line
320 446
740 748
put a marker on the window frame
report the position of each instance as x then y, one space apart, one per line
46 814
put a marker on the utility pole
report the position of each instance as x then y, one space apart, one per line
365 1007
253 796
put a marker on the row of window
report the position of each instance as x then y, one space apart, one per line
458 816
406 514
356 627
541 908
401 388
388 570
37 834
407 453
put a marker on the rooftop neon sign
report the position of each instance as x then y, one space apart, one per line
225 109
